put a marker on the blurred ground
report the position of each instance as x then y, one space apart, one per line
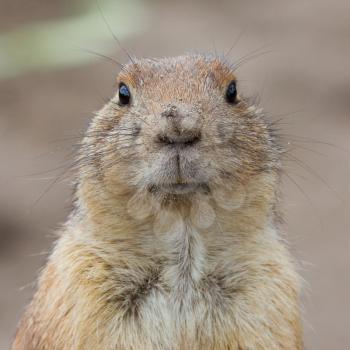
304 80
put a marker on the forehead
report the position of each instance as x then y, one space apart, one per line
200 71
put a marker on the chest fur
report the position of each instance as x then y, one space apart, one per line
182 292
181 300
183 296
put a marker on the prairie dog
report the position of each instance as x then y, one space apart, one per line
174 241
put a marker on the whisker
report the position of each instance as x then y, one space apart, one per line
110 59
240 34
301 190
307 149
314 173
303 139
49 187
112 33
250 58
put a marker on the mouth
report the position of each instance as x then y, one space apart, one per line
180 188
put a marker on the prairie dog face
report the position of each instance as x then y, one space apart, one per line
178 127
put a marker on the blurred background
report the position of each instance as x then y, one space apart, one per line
53 76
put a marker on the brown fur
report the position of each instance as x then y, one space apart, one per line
137 267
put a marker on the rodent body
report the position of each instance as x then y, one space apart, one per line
174 241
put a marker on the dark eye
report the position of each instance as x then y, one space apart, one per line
124 94
231 93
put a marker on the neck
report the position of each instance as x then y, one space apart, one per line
185 235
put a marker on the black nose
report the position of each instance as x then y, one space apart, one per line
179 126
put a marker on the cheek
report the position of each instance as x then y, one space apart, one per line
231 150
225 129
119 153
219 126
126 137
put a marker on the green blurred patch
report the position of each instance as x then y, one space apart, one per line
45 46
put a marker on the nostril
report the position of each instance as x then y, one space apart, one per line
170 112
164 139
185 140
191 141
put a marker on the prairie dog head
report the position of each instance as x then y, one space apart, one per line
176 131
